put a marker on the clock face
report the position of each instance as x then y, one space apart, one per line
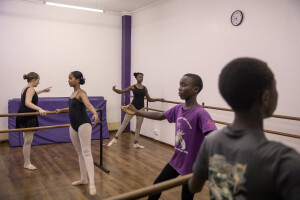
236 17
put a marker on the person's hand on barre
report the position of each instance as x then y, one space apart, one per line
63 110
96 118
42 112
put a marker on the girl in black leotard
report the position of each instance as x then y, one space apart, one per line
29 100
81 129
139 92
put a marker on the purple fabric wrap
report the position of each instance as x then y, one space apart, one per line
57 135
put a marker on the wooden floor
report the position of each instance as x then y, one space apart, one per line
57 165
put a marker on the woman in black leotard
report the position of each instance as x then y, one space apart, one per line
81 129
29 100
139 92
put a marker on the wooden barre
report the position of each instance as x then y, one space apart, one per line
275 116
37 128
26 114
154 110
36 113
287 117
230 110
153 189
34 129
265 130
167 101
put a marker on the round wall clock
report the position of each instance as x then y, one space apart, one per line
236 18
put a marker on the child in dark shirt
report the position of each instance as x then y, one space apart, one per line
238 161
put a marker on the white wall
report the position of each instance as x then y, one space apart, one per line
196 36
53 42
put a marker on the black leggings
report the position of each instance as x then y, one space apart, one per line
169 173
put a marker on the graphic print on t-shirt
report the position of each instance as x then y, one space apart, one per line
182 124
224 178
179 140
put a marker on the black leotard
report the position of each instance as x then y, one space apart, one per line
77 113
138 97
27 121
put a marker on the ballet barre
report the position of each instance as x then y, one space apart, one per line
265 130
230 110
153 189
100 164
226 109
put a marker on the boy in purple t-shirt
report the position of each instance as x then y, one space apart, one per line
192 124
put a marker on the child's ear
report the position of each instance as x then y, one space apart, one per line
265 98
196 89
267 103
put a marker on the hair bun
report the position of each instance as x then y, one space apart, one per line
25 76
82 80
135 74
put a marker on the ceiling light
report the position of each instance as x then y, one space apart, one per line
75 7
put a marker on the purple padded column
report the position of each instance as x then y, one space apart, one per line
126 61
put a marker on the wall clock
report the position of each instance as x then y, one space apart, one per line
236 18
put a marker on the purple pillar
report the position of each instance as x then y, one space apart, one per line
126 61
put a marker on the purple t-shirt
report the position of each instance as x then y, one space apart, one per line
191 125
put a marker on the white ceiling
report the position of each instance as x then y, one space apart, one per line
119 6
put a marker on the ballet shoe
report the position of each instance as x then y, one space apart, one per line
30 167
92 189
113 141
80 182
137 146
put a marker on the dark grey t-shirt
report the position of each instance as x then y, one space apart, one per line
245 165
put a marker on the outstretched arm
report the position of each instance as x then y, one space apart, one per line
130 109
44 90
29 104
122 91
89 106
152 99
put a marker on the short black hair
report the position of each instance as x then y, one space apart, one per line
197 81
243 81
79 75
135 74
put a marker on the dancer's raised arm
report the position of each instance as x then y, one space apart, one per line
122 91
